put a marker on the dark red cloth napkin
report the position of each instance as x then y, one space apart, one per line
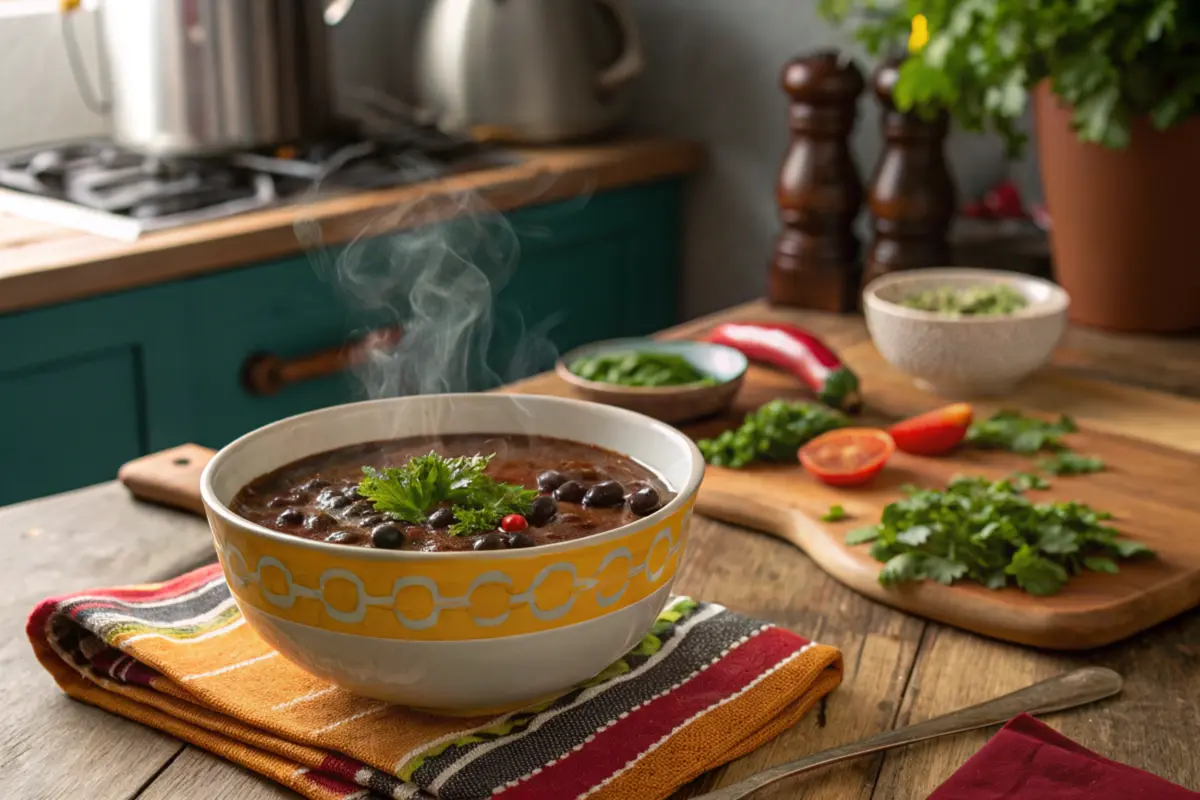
1027 760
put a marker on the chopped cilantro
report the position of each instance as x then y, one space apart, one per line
990 533
1068 463
772 432
1012 430
834 514
1024 481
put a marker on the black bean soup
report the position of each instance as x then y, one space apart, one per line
581 490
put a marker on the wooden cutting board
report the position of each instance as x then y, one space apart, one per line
1151 489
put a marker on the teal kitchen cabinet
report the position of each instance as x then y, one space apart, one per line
88 385
77 383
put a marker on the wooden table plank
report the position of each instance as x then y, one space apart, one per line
50 746
763 577
196 775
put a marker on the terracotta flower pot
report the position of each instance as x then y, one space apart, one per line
1125 228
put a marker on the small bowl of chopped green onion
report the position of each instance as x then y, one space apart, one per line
673 381
965 333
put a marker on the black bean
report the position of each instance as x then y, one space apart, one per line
387 537
352 494
605 495
520 540
550 480
372 520
644 501
359 509
336 502
278 502
345 537
312 484
570 492
543 510
318 523
442 518
290 517
492 541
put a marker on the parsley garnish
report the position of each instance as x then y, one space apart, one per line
772 432
988 532
1068 463
1011 430
479 501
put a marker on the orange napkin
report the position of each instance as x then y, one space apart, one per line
704 687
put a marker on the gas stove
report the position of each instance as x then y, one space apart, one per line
95 186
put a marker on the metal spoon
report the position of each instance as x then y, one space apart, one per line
1066 691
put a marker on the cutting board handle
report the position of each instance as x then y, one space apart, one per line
169 478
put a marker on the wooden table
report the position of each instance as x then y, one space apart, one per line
899 669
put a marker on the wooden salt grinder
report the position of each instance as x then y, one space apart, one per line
819 191
911 196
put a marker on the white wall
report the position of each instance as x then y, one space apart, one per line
39 101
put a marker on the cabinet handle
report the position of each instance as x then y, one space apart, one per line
267 373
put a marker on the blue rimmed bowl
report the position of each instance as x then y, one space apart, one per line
668 403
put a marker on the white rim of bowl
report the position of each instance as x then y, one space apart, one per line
563 368
209 497
1057 302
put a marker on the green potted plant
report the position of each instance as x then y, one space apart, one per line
1116 91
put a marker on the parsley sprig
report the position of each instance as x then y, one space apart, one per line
772 432
478 501
988 532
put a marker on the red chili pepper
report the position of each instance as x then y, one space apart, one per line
796 350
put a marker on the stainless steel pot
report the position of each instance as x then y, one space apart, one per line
192 77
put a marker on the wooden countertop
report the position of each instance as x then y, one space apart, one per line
899 669
42 264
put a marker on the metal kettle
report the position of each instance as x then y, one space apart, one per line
534 71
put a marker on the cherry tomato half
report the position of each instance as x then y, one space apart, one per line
848 456
934 432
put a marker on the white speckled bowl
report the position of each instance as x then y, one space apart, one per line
963 357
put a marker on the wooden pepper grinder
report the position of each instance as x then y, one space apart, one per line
819 191
912 196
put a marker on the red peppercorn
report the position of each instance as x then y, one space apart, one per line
513 523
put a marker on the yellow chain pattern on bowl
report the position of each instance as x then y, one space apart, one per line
452 598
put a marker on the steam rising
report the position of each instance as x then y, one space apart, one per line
434 267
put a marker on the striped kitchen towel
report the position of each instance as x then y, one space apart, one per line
704 687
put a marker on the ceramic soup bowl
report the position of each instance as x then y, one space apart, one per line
459 632
969 356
